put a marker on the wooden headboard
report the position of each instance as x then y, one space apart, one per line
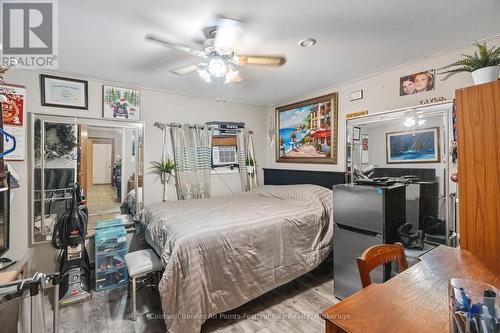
293 177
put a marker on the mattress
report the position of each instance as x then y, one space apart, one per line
219 253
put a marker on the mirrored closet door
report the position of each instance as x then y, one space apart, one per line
409 146
104 156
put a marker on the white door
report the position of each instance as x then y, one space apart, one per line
101 163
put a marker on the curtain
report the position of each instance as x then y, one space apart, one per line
252 170
242 159
193 159
246 160
165 178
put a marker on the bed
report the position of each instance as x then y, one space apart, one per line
220 253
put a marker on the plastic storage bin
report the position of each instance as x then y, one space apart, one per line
110 250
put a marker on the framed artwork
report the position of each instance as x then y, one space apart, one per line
356 133
306 132
416 83
419 146
355 95
64 92
120 103
14 121
365 157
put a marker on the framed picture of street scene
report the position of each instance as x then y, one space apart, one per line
307 131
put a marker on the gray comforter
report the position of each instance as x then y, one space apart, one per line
220 253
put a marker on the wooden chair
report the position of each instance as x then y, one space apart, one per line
378 255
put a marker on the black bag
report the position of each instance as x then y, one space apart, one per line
434 226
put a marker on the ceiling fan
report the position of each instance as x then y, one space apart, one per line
219 58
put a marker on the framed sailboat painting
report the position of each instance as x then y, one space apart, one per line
418 146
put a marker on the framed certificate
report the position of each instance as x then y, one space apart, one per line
355 95
64 92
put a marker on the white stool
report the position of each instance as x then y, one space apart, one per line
140 264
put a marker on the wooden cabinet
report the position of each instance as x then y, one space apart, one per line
478 125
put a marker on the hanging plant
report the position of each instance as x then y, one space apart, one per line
165 171
250 165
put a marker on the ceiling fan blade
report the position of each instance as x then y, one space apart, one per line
227 33
176 46
260 60
188 69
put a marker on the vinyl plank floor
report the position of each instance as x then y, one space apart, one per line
293 307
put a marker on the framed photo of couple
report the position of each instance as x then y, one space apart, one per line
417 82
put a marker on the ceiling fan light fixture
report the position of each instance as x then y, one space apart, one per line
409 122
205 75
217 67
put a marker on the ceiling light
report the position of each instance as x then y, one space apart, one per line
217 67
420 122
308 42
205 75
409 122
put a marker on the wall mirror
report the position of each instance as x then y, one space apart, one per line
104 156
409 142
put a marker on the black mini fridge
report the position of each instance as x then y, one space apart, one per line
364 215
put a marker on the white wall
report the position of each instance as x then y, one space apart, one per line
155 106
381 93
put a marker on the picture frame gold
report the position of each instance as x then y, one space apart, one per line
307 131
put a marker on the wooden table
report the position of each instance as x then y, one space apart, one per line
413 301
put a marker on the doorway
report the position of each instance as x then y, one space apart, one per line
102 174
102 161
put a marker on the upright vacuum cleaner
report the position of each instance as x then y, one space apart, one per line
69 236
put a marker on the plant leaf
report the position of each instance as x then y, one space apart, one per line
483 57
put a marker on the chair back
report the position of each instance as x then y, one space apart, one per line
378 255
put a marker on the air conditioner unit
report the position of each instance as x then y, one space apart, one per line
224 156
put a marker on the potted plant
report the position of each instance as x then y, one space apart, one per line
164 170
483 64
250 165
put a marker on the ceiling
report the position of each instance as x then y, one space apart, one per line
105 40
